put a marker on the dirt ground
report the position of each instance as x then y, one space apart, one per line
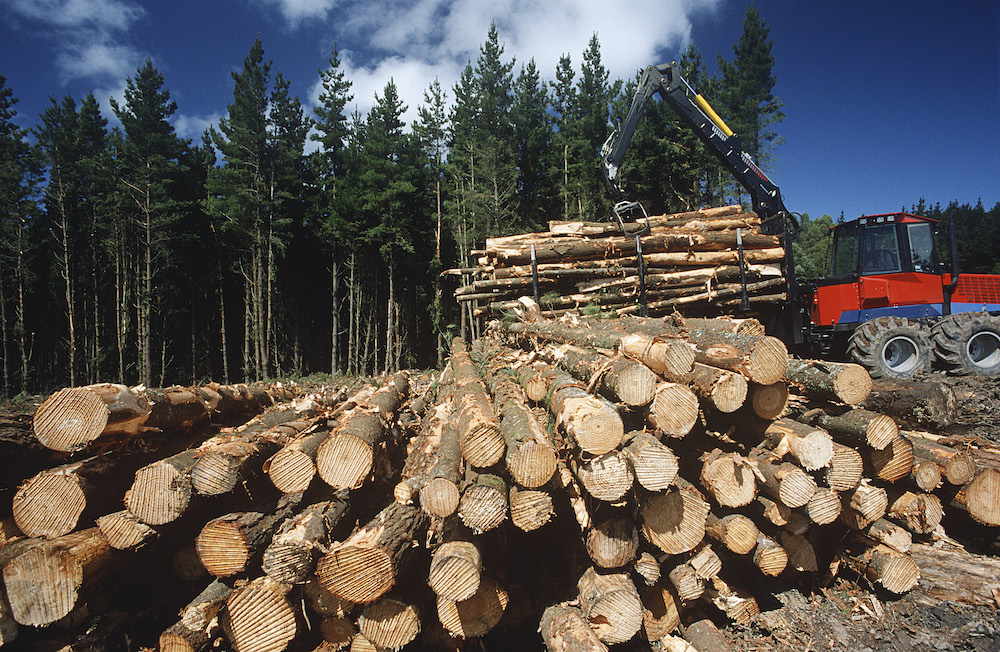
797 613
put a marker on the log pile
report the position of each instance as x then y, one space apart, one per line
691 261
587 482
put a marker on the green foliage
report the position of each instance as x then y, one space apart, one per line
812 247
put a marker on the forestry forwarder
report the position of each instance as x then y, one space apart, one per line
889 301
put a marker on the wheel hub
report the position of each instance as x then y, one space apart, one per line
983 349
901 355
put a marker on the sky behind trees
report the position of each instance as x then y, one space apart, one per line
881 106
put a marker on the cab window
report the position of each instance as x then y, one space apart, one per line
921 239
881 251
845 250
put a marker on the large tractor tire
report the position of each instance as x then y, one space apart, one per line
891 347
968 343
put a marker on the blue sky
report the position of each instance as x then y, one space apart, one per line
885 102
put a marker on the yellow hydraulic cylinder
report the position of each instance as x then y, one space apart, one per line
712 115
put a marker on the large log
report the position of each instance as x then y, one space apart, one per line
483 506
925 403
124 531
44 583
673 410
843 382
591 422
564 629
479 433
198 624
291 555
455 570
784 481
365 565
723 390
654 464
811 447
613 542
530 509
475 616
74 417
619 379
729 478
606 477
980 498
674 521
611 604
259 618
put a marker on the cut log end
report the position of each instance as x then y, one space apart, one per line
455 570
483 446
291 470
852 384
770 401
439 497
222 548
344 461
477 615
356 574
70 419
532 464
768 361
674 410
530 509
159 494
49 505
981 497
258 619
390 623
674 521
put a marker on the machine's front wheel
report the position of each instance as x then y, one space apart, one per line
968 343
891 347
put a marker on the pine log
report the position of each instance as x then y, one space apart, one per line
223 457
483 505
723 390
769 556
8 626
920 513
769 402
894 570
619 379
613 542
801 554
337 633
824 506
861 426
957 465
735 531
980 498
762 359
124 531
606 477
654 465
293 468
672 358
162 490
811 447
894 462
889 534
729 478
365 565
291 555
478 429
671 220
44 583
346 458
953 574
737 604
389 623
477 615
674 521
688 585
51 503
674 409
74 417
227 544
9 531
785 481
847 383
845 470
647 567
925 474
530 509
775 512
927 403
661 613
864 505
704 636
198 624
259 618
726 324
564 629
611 605
455 570
592 423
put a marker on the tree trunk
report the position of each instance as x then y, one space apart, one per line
846 383
477 615
483 506
654 465
74 417
674 521
291 556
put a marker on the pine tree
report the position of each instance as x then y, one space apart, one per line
564 140
533 143
150 165
20 174
747 84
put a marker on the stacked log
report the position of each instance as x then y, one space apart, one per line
532 485
683 261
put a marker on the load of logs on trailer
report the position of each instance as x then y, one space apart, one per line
583 483
697 262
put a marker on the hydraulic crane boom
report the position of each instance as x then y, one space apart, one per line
666 80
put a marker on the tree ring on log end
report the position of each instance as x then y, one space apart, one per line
291 470
159 494
356 574
222 548
344 461
49 505
439 497
70 419
51 580
768 361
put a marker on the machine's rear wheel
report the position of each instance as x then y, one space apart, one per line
891 347
968 343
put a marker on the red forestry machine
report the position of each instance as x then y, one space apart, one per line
890 303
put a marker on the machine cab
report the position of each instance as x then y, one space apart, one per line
881 265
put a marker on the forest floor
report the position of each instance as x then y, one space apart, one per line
797 613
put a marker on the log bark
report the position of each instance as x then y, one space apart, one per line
860 426
45 582
564 629
365 565
226 545
846 383
611 604
619 379
74 417
954 575
956 465
198 624
926 403
290 558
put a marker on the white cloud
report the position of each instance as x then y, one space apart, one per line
193 126
101 60
102 15
295 11
420 40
